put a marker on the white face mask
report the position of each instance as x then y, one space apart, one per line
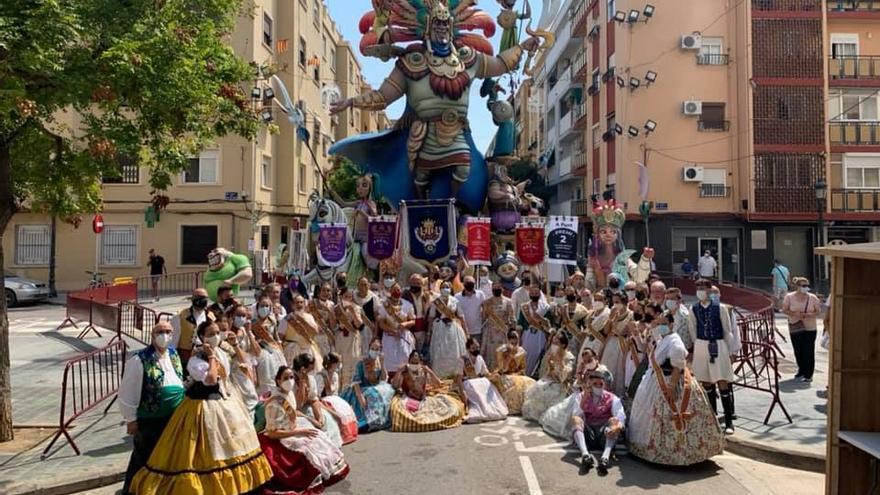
162 340
213 340
374 354
242 341
264 311
661 331
702 295
287 385
598 305
804 290
631 294
389 282
240 321
446 291
671 304
554 349
597 391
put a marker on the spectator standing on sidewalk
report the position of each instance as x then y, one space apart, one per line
802 309
150 391
157 269
781 276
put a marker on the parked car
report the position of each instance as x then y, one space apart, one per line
20 289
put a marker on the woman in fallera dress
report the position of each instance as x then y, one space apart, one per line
370 393
509 376
424 402
484 401
554 384
310 405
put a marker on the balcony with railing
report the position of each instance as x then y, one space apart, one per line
852 6
579 19
579 115
854 133
713 59
581 208
579 163
714 191
855 200
844 71
579 67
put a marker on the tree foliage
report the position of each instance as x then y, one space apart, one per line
343 179
85 82
527 170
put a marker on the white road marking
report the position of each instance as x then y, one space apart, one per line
491 440
547 448
529 472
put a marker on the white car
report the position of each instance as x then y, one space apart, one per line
20 289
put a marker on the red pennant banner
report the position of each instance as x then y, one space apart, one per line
530 244
479 237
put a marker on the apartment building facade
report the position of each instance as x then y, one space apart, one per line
247 196
715 113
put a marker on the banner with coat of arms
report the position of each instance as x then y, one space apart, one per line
530 243
479 241
331 246
429 227
562 240
381 236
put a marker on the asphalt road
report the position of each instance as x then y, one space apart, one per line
516 458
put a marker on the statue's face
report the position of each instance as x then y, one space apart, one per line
363 187
216 259
440 31
507 271
608 235
446 273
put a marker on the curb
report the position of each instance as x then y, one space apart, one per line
762 452
97 480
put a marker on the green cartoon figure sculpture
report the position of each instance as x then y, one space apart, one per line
226 268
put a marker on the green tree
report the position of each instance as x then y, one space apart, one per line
527 170
86 82
343 179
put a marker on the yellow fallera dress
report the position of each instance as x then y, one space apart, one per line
209 446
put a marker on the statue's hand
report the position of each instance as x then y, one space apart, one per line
531 44
340 106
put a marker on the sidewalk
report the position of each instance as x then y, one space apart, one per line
800 444
38 356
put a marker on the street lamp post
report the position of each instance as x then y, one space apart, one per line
821 189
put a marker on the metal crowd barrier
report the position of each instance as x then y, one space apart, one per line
136 321
88 380
171 284
97 307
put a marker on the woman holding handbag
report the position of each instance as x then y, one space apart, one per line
802 309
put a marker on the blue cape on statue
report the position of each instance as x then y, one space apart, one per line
384 153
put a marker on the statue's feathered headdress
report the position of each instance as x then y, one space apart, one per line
608 213
406 21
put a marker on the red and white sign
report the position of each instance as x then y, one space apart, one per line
98 224
530 243
479 245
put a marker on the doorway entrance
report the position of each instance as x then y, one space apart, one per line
713 245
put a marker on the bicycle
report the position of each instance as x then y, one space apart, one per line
97 280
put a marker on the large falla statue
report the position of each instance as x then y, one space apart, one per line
438 56
607 253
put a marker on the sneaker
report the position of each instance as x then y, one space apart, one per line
603 466
728 430
587 461
798 375
806 380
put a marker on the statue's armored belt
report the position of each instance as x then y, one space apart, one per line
448 117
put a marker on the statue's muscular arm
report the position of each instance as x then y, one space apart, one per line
390 91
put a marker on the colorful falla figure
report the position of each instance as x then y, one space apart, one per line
431 144
607 253
226 268
508 20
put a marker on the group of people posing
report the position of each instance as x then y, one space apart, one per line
229 398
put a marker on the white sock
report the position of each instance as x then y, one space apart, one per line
581 442
609 444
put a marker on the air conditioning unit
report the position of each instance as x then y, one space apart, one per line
691 41
692 107
692 174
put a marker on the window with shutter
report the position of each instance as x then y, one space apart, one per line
32 244
119 245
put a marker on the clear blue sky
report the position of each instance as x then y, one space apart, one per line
347 14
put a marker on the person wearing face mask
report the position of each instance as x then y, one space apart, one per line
186 321
396 319
268 353
265 317
328 388
710 328
225 302
309 401
658 292
424 403
420 298
671 421
210 444
498 315
594 327
240 348
629 289
520 296
509 373
299 333
369 303
294 287
370 393
553 386
642 339
448 337
484 401
484 283
321 308
570 317
556 422
802 309
470 303
150 391
535 327
597 421
350 324
614 354
303 458
673 304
